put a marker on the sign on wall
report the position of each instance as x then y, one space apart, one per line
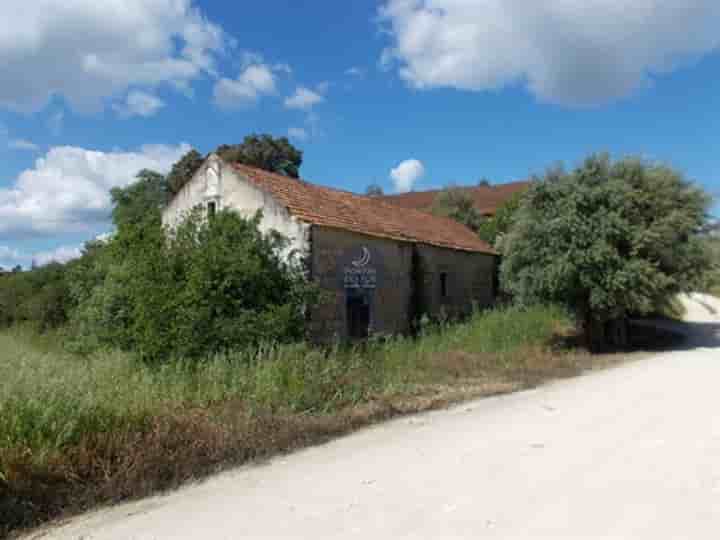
360 268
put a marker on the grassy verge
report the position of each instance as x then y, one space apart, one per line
78 432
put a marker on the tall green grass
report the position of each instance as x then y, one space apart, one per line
50 399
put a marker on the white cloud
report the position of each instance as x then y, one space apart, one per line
22 144
255 81
298 133
68 189
304 99
62 254
9 258
406 174
570 52
89 50
139 103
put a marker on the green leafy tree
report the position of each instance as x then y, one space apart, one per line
215 285
607 240
38 297
493 229
457 203
141 200
262 151
183 170
265 152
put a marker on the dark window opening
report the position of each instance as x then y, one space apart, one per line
358 315
443 284
211 209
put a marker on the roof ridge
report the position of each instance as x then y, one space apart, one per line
333 207
469 187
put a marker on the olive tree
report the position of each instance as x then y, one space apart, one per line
607 240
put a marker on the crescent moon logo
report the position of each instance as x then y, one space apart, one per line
364 260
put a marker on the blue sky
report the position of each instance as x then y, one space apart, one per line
409 94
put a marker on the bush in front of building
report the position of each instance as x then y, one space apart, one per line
210 286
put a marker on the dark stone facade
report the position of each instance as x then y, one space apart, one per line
394 282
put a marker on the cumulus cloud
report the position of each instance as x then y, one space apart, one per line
139 103
298 133
305 99
68 189
9 258
61 254
88 50
406 174
254 81
569 52
22 144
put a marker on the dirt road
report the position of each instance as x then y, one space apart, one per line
631 452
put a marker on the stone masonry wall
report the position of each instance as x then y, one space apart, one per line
469 279
390 301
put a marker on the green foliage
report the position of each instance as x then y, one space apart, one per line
606 240
712 277
184 170
262 151
265 152
38 297
141 200
212 286
374 190
43 409
493 229
457 203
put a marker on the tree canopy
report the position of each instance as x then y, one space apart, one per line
184 169
141 200
457 203
607 240
493 229
265 152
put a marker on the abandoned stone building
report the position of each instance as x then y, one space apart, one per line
380 265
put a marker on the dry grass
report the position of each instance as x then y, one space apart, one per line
75 433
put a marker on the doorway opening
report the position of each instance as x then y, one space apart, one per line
358 314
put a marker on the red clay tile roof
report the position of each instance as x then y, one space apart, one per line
487 198
372 216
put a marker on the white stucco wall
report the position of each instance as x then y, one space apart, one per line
216 181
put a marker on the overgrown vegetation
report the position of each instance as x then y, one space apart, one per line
457 203
212 286
494 228
608 240
155 358
77 431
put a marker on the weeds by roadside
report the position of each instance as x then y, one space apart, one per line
76 432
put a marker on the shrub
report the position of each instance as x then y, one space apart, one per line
38 296
207 287
607 240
